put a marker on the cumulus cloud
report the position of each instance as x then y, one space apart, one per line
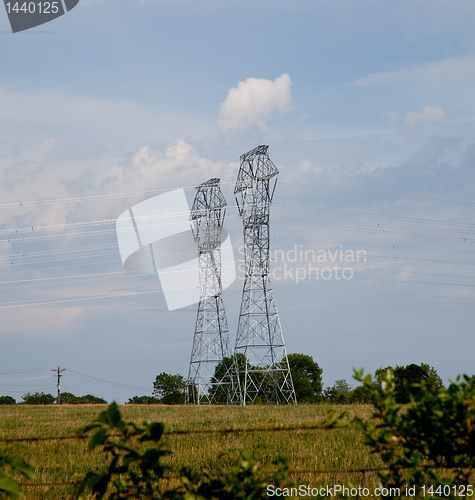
429 114
252 104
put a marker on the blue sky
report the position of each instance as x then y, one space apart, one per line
124 96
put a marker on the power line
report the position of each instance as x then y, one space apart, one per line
42 269
96 380
374 215
34 285
347 227
405 294
369 226
285 184
89 233
23 378
84 255
380 298
371 193
140 291
27 370
374 245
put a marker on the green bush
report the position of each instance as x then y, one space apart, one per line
38 398
7 400
143 400
428 443
134 470
245 481
67 398
16 465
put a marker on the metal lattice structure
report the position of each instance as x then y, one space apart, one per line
209 379
264 371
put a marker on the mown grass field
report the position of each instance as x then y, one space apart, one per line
58 461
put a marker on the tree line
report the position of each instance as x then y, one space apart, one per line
41 398
307 377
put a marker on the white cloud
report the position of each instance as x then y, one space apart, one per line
454 68
392 116
429 114
39 321
178 165
26 117
252 104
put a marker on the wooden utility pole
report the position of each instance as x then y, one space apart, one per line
59 371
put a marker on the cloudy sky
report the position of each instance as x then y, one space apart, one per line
368 109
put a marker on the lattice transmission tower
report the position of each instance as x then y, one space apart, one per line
264 371
211 344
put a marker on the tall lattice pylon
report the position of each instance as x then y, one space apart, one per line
264 371
209 379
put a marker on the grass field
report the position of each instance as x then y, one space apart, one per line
57 461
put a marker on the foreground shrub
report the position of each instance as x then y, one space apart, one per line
12 464
428 443
134 471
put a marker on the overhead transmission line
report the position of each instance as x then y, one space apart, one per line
467 227
371 214
148 290
109 383
281 219
285 184
372 193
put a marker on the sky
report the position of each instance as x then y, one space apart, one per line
368 109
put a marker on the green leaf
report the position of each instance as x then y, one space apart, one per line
156 431
97 439
114 418
11 487
21 466
83 430
99 483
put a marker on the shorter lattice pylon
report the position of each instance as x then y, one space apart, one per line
210 378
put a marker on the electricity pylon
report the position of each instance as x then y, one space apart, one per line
210 379
264 371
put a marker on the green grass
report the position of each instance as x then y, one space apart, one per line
58 461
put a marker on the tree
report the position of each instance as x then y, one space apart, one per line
67 398
380 373
89 399
306 376
433 380
223 377
406 376
143 400
339 393
170 388
360 395
7 400
38 398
